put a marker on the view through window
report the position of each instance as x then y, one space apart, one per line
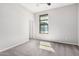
43 22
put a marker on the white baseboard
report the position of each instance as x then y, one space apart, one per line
59 42
13 46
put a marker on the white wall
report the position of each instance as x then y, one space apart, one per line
14 25
78 25
62 25
31 27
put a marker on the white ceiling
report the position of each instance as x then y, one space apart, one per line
37 7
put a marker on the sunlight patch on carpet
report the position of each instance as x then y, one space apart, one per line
46 46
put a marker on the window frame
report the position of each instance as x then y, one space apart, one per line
40 24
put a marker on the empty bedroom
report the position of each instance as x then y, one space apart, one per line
39 29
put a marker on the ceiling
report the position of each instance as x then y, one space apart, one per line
37 7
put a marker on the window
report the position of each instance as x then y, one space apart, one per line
43 23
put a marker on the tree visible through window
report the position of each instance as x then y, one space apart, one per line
43 22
